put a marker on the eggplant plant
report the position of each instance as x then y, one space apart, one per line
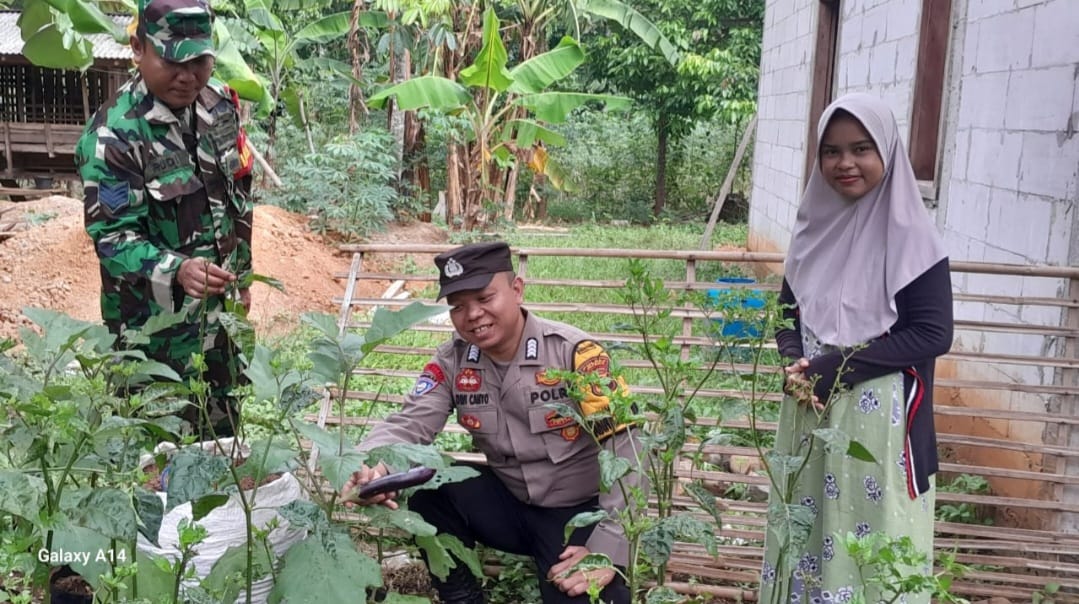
79 414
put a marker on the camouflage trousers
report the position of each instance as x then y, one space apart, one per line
221 415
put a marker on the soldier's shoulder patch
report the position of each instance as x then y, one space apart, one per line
113 195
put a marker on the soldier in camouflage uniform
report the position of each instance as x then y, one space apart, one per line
166 174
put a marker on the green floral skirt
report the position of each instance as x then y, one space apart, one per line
840 494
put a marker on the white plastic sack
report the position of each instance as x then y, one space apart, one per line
226 527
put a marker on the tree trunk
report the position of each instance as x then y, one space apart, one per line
509 199
662 133
402 68
455 192
360 55
416 171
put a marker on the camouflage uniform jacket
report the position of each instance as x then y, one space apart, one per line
156 195
543 458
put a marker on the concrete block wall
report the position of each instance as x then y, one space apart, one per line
878 49
783 106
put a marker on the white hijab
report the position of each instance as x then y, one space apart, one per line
848 259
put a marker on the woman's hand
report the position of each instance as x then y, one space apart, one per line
799 386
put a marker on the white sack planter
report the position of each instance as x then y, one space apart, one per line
226 526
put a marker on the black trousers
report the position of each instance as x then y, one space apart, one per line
481 509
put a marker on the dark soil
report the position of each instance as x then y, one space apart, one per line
68 587
153 478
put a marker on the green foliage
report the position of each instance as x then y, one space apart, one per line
610 161
720 45
968 513
609 158
1045 595
895 568
347 185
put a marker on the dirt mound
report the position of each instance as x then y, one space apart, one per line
50 263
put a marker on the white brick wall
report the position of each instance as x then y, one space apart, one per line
782 106
1010 130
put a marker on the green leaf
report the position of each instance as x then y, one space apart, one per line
635 22
193 473
612 468
406 520
439 550
82 540
109 512
431 92
51 40
326 29
202 506
87 18
338 468
582 519
529 131
304 514
267 457
154 584
386 324
858 451
149 510
328 443
229 570
260 371
554 107
21 494
539 72
313 574
657 543
705 499
260 15
231 67
489 69
835 440
662 595
791 525
782 466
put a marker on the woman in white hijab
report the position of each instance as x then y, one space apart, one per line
869 294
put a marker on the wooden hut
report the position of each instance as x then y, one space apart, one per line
43 111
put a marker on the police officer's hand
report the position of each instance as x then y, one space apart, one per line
364 476
201 278
576 583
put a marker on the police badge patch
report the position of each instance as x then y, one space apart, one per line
431 377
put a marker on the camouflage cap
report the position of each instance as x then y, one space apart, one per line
180 30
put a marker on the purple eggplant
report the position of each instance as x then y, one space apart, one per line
396 482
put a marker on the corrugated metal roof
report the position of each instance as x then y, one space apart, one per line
105 47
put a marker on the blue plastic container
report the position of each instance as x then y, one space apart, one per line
736 299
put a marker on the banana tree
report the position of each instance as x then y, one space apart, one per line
280 56
487 94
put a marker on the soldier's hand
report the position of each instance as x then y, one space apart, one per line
201 278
